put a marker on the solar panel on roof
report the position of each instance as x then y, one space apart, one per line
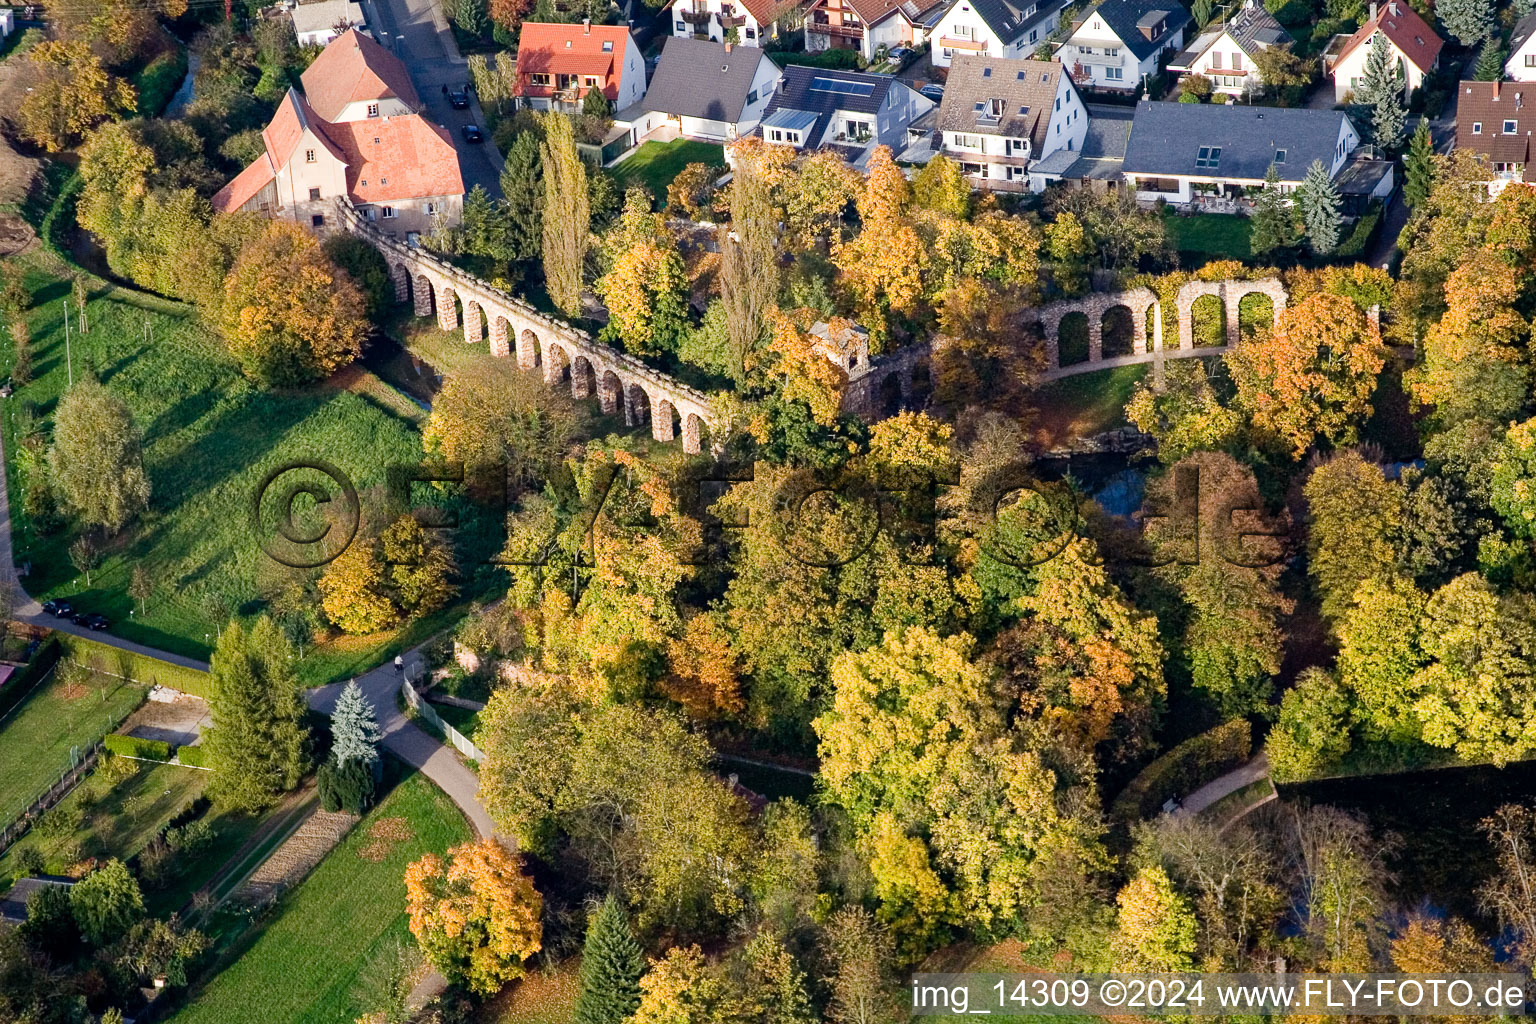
838 85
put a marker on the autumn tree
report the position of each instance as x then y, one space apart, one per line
289 314
941 187
73 93
1342 878
862 958
509 14
257 746
1312 378
1070 249
502 420
355 592
817 196
1184 414
95 460
477 917
419 566
1354 512
1312 733
749 257
1381 654
702 672
881 268
566 215
646 286
804 373
1156 926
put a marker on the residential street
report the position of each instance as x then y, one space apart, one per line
417 32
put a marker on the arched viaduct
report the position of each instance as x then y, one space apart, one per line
561 352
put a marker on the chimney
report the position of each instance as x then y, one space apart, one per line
1373 10
727 46
1495 89
1392 8
586 26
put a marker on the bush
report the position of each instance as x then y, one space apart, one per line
112 769
1184 769
192 838
60 823
159 80
195 757
1361 237
840 60
28 861
348 787
136 746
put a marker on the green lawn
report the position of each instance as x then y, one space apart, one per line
117 820
655 164
1087 404
209 439
36 738
303 966
462 719
1217 236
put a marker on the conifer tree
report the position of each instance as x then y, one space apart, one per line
1419 165
257 745
567 214
522 189
1490 61
1319 201
1272 223
1468 20
1381 92
611 965
354 728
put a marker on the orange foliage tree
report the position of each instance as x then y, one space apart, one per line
477 918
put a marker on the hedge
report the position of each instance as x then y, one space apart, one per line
159 80
21 683
141 668
192 756
1364 233
136 746
1184 769
838 60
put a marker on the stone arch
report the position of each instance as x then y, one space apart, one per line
474 322
1118 329
401 278
920 384
889 398
501 330
609 391
1073 344
557 364
423 295
695 429
447 308
1254 310
637 405
1208 321
528 346
583 377
664 421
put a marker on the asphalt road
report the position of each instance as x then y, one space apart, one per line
419 35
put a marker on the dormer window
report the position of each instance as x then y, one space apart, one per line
373 110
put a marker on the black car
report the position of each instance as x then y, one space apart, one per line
59 609
472 133
933 91
458 99
80 618
97 622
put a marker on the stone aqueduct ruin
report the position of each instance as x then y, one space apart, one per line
884 385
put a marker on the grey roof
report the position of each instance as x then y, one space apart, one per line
794 120
820 92
13 907
1166 139
1360 177
1009 20
1252 28
698 78
1027 89
1103 153
1523 30
1127 18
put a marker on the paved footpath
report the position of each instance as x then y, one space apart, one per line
402 737
1236 779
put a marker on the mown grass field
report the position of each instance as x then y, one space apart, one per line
209 440
36 738
1213 235
302 967
1087 404
655 164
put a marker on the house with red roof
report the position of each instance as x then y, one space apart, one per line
353 133
868 25
753 21
557 65
1413 45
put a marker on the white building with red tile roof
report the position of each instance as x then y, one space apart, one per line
398 168
557 65
1413 44
753 20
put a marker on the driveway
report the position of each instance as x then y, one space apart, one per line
418 33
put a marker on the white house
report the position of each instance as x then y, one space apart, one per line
1521 66
1178 151
994 28
1412 44
317 23
868 25
558 63
1120 42
753 20
1224 52
705 90
1000 116
848 111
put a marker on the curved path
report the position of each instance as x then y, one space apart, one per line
402 737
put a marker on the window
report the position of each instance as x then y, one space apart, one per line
309 156
1097 25
1510 127
1237 61
968 142
1279 156
590 81
1530 60
543 79
948 52
1114 74
607 45
1215 61
388 212
1477 127
1111 51
681 27
751 97
986 72
751 32
314 195
1024 110
1058 102
429 207
383 181
364 183
318 220
370 214
1209 156
775 135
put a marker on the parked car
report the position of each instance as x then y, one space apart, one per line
59 608
472 133
900 55
97 622
458 99
933 91
79 618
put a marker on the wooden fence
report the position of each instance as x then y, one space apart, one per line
460 742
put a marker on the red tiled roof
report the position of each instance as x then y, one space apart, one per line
1485 106
245 186
395 158
545 48
765 12
353 68
287 126
1407 31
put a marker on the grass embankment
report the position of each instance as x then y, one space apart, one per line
38 736
209 439
1087 404
655 164
303 965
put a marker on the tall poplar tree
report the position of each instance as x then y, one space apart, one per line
522 189
567 214
611 965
